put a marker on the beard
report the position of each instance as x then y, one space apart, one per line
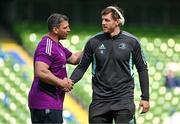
62 37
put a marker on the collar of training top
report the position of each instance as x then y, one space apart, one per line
115 36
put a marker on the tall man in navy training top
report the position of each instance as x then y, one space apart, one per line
113 53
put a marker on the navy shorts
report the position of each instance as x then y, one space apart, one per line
104 112
46 116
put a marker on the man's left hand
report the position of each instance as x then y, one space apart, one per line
144 105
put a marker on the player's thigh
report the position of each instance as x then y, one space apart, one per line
36 115
53 116
46 116
99 113
124 117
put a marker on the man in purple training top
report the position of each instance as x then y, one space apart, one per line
50 77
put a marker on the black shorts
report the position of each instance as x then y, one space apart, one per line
104 112
46 116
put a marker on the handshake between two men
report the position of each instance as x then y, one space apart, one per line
67 84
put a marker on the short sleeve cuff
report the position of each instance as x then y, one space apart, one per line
45 59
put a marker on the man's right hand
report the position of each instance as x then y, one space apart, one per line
67 85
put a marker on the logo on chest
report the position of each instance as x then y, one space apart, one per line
61 54
122 46
101 48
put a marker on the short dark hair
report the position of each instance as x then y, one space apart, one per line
55 19
115 15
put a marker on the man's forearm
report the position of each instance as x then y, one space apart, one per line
77 74
144 84
49 78
75 58
78 56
